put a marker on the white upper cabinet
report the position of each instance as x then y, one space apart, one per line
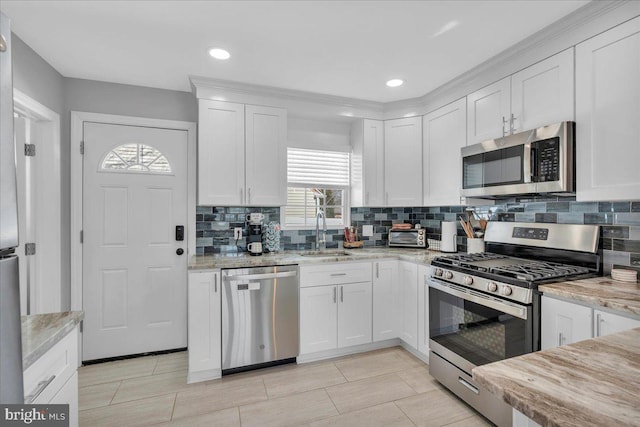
443 136
220 153
241 162
543 93
488 112
539 95
608 114
403 162
367 163
266 156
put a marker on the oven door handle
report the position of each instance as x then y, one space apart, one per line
486 300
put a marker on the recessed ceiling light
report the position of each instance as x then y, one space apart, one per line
395 82
218 53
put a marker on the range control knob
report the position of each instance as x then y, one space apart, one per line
468 280
438 272
448 275
492 286
507 290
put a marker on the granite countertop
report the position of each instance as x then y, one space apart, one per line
40 332
592 382
241 260
599 291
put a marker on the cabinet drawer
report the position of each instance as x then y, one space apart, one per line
50 373
335 274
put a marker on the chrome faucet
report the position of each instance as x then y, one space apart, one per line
321 243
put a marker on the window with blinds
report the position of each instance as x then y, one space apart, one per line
317 180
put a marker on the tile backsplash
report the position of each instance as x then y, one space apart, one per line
620 223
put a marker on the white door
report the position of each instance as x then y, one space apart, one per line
266 156
608 323
318 318
444 135
385 300
423 309
403 162
205 321
488 112
408 274
354 314
564 323
134 279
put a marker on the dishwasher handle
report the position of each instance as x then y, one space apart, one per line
262 276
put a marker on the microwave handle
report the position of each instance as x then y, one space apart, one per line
528 163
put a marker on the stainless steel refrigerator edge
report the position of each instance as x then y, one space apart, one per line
11 386
259 316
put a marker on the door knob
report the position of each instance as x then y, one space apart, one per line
179 251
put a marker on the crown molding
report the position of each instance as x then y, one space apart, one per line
591 19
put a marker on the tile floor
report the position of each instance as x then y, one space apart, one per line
386 387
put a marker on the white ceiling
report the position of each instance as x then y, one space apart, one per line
344 48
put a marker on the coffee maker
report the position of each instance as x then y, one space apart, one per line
254 236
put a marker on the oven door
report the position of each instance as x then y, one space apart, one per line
469 328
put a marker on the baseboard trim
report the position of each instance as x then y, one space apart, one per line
199 376
338 352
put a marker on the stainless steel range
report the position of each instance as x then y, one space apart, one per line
486 307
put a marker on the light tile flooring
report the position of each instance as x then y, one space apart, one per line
386 387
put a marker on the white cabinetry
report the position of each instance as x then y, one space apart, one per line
204 326
605 323
423 310
385 300
539 95
403 162
53 378
335 306
408 308
607 114
367 163
564 322
443 136
241 154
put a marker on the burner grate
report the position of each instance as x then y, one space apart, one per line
537 270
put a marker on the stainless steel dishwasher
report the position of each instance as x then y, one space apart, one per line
259 317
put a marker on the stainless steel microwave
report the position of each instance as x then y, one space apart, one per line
531 162
411 238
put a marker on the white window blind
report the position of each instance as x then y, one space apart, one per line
317 168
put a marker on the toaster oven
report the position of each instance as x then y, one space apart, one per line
412 238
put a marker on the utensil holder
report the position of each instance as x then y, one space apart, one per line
475 246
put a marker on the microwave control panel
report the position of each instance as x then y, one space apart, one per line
547 160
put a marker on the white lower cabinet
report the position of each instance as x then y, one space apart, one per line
408 308
385 300
606 323
53 378
204 326
334 316
423 310
566 322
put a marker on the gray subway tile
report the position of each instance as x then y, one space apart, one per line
570 218
546 217
598 218
584 207
634 233
615 232
525 217
535 207
632 218
626 245
635 206
558 206
616 257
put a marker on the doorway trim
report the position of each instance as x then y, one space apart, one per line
47 217
77 121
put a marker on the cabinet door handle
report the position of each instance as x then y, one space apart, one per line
513 123
341 293
599 321
377 270
504 123
560 338
215 283
248 195
338 274
39 389
334 294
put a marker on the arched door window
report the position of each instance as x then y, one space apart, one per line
137 158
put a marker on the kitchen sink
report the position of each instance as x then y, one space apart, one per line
325 254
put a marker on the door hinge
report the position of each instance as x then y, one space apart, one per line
81 236
29 249
81 147
30 150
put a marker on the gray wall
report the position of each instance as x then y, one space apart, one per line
39 80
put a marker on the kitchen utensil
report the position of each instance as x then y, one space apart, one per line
475 246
